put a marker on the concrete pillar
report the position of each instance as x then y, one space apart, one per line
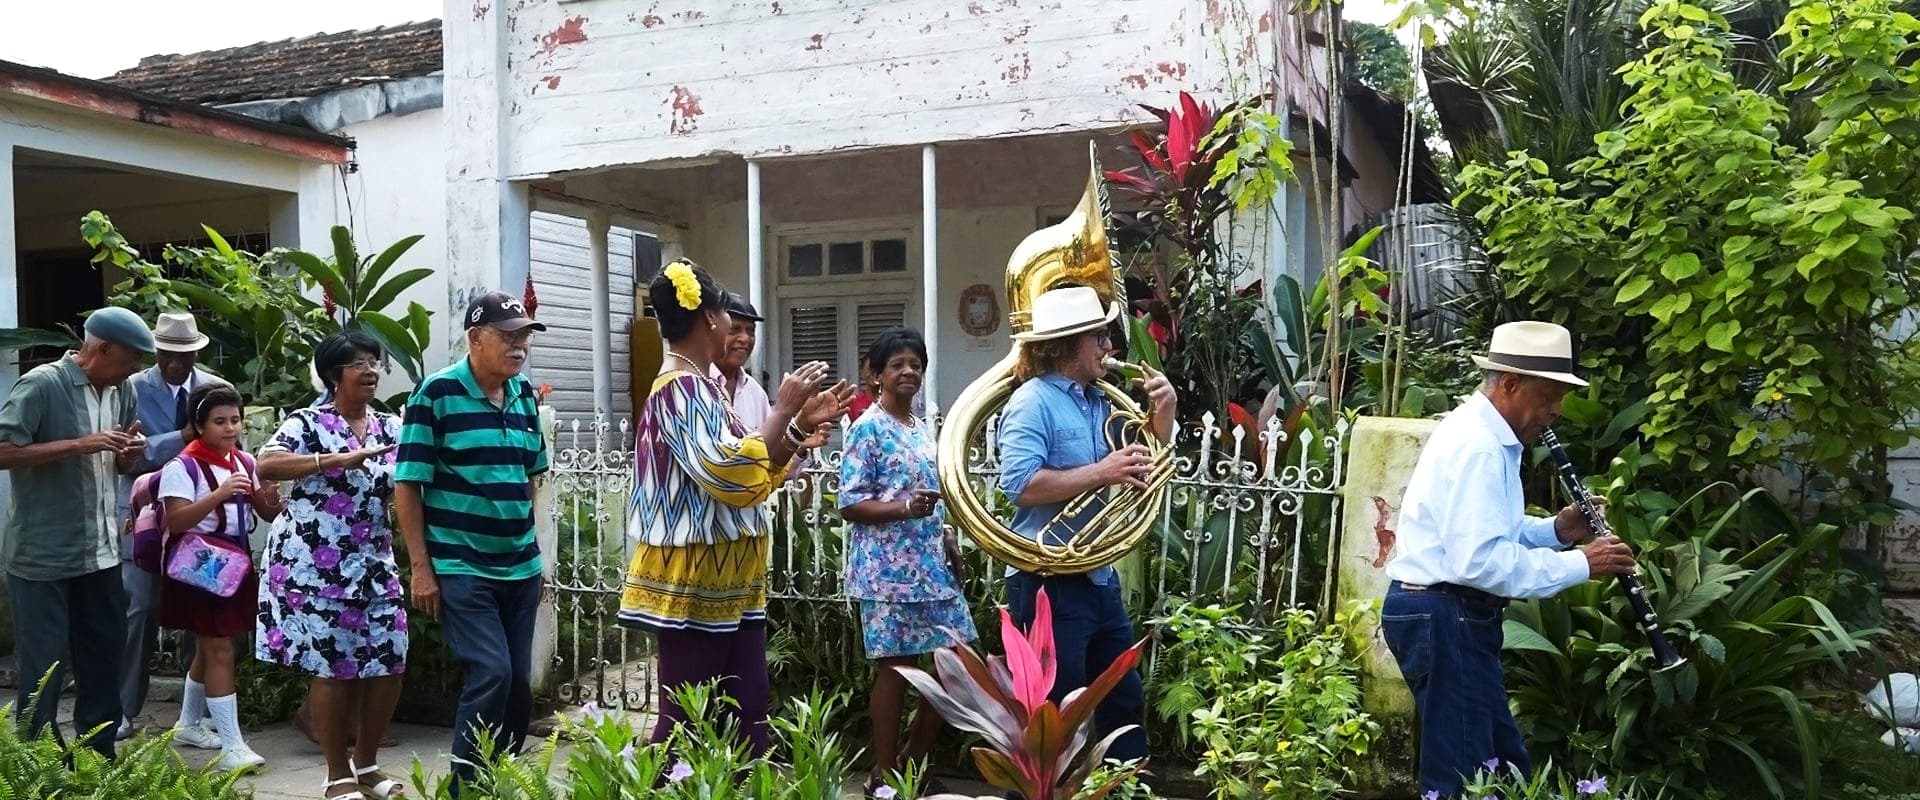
598 224
1383 451
930 269
9 293
756 269
488 216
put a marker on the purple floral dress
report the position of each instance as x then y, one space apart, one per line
330 600
910 601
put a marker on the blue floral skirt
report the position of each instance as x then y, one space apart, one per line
911 629
339 639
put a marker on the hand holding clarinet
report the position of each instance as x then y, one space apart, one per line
1606 554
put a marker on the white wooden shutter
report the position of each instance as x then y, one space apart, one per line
813 333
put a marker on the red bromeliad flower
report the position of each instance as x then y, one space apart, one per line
327 302
531 300
1032 742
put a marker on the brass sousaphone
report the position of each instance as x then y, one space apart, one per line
1071 253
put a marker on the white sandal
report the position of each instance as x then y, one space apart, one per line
384 790
353 795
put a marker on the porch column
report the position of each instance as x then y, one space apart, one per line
930 271
488 215
9 289
756 264
599 221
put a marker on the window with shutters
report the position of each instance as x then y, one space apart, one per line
839 288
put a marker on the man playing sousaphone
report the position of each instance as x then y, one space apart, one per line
1465 545
1053 448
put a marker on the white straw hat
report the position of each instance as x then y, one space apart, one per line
1540 349
1067 311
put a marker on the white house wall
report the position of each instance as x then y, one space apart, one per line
594 83
397 193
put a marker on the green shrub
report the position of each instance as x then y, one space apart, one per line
146 767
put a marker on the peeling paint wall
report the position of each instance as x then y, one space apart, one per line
600 82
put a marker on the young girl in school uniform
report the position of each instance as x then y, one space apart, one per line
211 490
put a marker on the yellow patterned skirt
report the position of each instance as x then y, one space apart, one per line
709 588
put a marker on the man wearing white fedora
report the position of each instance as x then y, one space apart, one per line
1053 447
1464 546
160 401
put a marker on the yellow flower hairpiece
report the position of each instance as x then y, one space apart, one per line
686 287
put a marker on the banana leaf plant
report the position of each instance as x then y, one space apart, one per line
354 295
1032 743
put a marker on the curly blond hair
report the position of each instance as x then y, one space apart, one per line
1040 357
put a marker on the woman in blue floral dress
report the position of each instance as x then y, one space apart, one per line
903 570
330 600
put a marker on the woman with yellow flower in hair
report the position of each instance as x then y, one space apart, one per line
698 518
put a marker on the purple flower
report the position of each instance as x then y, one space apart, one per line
339 504
276 639
1591 786
277 575
393 586
345 669
885 793
333 423
295 600
360 533
326 557
626 753
332 592
352 619
1432 794
1491 765
400 623
680 772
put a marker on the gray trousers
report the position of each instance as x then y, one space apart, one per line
80 616
142 636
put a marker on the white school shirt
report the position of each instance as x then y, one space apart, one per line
176 482
1463 520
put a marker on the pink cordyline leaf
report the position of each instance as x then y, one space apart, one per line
1041 638
1022 662
996 683
959 683
1079 705
1179 148
1000 771
954 712
1150 152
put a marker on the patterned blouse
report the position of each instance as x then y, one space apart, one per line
699 476
334 541
897 562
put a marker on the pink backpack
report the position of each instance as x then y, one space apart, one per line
147 519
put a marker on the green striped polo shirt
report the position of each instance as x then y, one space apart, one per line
474 463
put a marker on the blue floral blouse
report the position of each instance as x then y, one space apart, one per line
898 562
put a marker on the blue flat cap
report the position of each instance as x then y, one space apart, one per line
121 327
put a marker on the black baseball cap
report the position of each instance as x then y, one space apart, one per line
502 311
739 307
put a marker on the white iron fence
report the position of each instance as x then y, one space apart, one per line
1249 521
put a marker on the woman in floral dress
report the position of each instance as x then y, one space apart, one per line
904 571
330 601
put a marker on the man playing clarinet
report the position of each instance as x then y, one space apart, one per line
1465 546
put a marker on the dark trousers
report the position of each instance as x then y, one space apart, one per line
80 620
142 631
489 629
1448 648
1090 631
737 660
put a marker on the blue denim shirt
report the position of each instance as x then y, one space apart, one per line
1051 422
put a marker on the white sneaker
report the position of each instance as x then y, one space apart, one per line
196 735
239 759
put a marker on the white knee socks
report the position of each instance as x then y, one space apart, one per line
226 720
193 703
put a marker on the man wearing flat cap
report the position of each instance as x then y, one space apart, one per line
160 402
470 447
1465 545
67 432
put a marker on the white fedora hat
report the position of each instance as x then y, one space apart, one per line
1540 349
1065 312
178 333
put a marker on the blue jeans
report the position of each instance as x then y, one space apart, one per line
489 629
1448 648
1090 631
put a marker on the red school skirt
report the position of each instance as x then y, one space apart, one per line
184 608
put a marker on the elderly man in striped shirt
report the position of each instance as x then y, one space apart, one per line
470 446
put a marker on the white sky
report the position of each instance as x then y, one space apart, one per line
95 38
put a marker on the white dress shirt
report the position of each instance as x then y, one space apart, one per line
1463 520
748 400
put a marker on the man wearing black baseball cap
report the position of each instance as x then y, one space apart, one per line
468 520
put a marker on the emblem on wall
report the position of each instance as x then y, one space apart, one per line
979 310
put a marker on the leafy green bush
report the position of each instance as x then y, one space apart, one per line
1266 732
145 766
1549 783
1580 674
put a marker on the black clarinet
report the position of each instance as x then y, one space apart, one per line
1663 651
